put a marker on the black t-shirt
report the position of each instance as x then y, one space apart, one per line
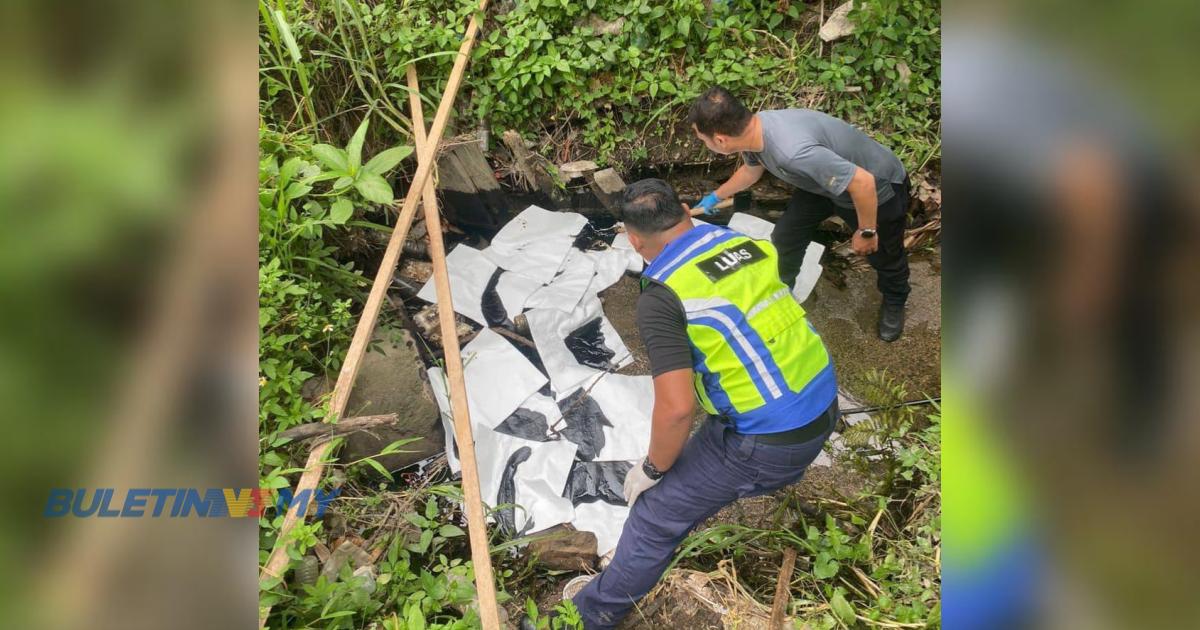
663 325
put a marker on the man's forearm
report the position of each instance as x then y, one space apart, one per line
866 204
669 431
743 178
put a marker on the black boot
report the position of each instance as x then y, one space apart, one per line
891 321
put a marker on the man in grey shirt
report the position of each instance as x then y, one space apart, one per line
835 168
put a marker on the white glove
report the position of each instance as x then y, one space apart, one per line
637 482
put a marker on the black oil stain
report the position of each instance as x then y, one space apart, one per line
589 482
586 343
493 309
526 424
585 422
507 496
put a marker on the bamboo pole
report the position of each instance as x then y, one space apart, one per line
278 561
485 585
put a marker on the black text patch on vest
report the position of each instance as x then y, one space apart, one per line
731 260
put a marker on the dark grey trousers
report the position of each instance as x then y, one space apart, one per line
716 468
805 211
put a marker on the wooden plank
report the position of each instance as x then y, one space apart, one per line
278 561
481 558
783 593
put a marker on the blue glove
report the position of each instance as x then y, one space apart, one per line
709 203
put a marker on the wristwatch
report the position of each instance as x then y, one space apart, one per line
867 232
651 472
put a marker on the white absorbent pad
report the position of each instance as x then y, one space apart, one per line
568 286
577 345
499 379
751 226
535 242
524 480
605 520
610 264
481 291
634 262
608 417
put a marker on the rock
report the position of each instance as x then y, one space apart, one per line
576 170
418 270
366 578
315 388
838 25
609 186
564 549
601 26
346 552
904 72
461 580
426 320
390 380
308 571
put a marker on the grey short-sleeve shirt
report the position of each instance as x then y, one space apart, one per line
818 153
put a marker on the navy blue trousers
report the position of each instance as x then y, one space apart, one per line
716 468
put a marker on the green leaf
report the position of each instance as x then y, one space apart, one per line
379 467
685 25
285 31
354 149
825 566
342 183
450 531
340 211
842 608
374 188
386 160
414 619
332 157
431 508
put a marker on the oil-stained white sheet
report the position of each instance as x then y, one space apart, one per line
535 242
568 287
627 403
605 520
470 273
539 480
550 329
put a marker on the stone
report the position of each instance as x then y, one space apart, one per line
418 270
600 26
576 170
426 320
346 552
366 578
564 549
609 186
838 25
391 380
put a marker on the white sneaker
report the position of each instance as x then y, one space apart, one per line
575 585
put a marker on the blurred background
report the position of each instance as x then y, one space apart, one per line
1070 358
127 306
128 327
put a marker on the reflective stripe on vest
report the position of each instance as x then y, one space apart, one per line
756 360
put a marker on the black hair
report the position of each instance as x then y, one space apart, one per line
650 206
718 111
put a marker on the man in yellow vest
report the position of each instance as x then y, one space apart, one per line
722 329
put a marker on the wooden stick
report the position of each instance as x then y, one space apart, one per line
485 585
783 593
278 561
325 430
